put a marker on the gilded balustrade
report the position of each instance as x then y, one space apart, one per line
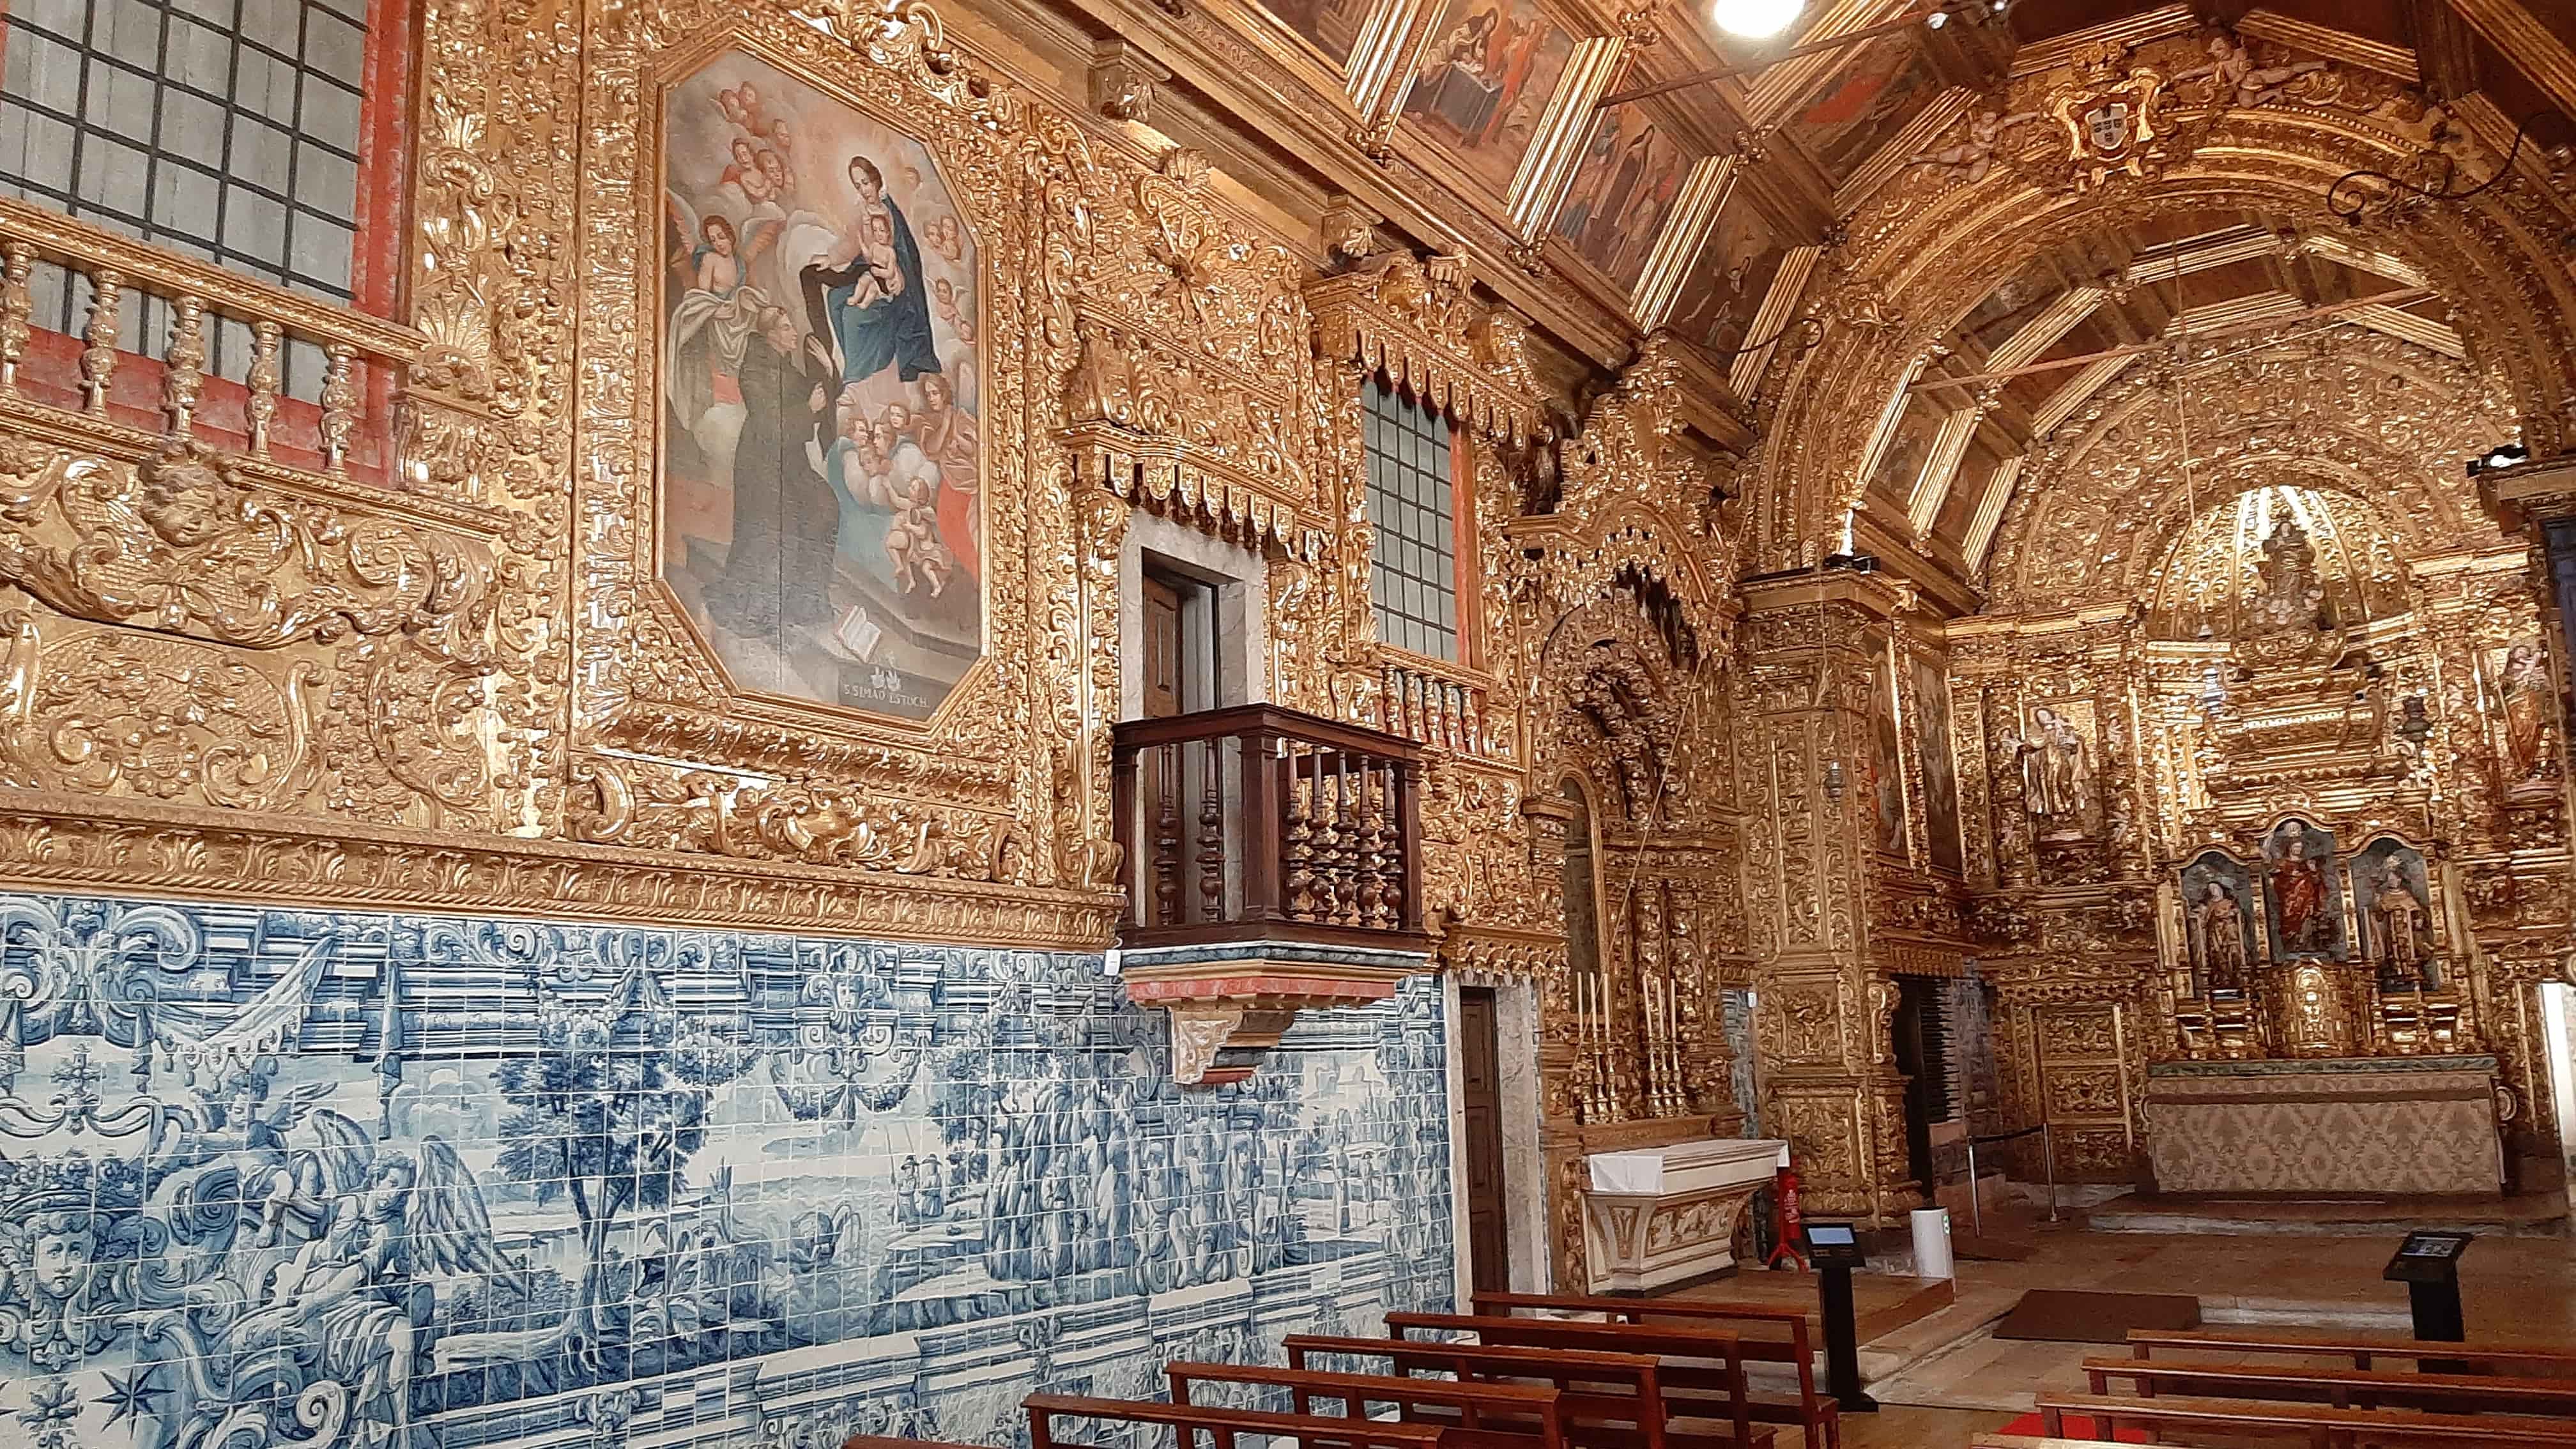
363 359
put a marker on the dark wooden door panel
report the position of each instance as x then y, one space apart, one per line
1480 1117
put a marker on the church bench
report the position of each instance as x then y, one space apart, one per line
1817 1415
2322 1425
1187 1421
1703 1367
2354 1388
1477 1415
1609 1400
2539 1359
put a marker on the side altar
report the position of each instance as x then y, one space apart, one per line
1659 1215
2376 1126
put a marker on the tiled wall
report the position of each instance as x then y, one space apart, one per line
280 1178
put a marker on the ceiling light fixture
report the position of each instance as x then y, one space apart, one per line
1765 19
1756 19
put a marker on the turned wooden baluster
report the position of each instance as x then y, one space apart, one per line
1396 883
1372 851
1212 834
17 303
1322 900
1167 835
1346 869
263 384
183 369
339 406
1296 853
98 358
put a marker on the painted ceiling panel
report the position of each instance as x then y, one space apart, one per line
1484 83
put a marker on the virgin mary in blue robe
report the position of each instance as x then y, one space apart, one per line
891 331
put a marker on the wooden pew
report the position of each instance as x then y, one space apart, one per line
2322 1425
1598 1391
1703 1367
2343 1387
2530 1359
1186 1421
1818 1416
1476 1415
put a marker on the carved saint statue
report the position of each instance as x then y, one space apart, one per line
2056 769
2526 704
2398 927
2220 923
2288 596
2298 890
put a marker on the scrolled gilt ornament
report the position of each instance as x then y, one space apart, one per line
662 807
183 545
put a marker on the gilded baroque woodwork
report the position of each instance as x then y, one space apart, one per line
1902 282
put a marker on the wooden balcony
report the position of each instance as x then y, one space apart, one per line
1261 823
1273 865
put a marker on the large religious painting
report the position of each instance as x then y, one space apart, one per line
1485 82
1331 26
2392 904
821 471
1733 275
2218 922
2303 898
1940 769
1864 105
2521 696
1622 194
1887 764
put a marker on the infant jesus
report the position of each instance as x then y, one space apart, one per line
883 276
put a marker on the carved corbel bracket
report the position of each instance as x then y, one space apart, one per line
1238 1000
1124 81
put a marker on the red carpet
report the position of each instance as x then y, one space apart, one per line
2077 1427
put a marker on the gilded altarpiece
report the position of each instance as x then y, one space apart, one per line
1615 577
2279 811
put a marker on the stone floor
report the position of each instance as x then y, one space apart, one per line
1944 1378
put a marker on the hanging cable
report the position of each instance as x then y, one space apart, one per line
2361 198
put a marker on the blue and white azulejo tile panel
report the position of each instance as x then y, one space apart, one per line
283 1178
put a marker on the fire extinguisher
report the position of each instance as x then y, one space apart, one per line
1790 1232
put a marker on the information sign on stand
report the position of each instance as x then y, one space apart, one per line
1835 1250
2429 1265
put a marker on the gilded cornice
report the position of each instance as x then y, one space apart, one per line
52 841
1418 323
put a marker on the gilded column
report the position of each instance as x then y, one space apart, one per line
1830 1082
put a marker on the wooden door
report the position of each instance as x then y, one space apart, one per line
1481 1118
1162 649
1160 777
